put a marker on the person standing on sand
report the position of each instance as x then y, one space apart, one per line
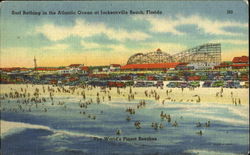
217 94
235 102
221 90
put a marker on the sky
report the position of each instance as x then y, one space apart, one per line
101 39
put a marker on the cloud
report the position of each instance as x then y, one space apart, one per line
56 47
119 49
162 25
170 48
231 41
84 29
169 24
113 47
94 53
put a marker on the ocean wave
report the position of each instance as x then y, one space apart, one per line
116 104
74 134
221 119
208 152
66 149
9 128
241 111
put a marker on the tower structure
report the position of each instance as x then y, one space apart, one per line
35 65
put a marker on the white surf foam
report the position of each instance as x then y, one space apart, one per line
8 128
241 111
208 152
221 119
75 134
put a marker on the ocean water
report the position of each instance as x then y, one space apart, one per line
68 131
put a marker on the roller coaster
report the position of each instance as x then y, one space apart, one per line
209 53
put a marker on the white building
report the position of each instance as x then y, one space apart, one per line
202 65
114 67
73 69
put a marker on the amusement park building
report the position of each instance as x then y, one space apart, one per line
209 53
154 66
200 57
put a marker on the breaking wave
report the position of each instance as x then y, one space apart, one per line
208 152
9 128
225 120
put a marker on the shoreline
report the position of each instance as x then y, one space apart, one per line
161 96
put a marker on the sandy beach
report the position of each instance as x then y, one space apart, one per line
207 95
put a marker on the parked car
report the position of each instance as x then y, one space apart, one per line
139 84
116 84
172 84
183 85
194 84
159 84
98 83
218 84
207 84
149 84
233 84
129 83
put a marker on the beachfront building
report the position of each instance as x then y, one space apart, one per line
95 70
114 67
69 71
240 62
75 69
84 70
226 65
202 65
237 63
47 70
154 66
105 69
64 71
15 70
75 65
